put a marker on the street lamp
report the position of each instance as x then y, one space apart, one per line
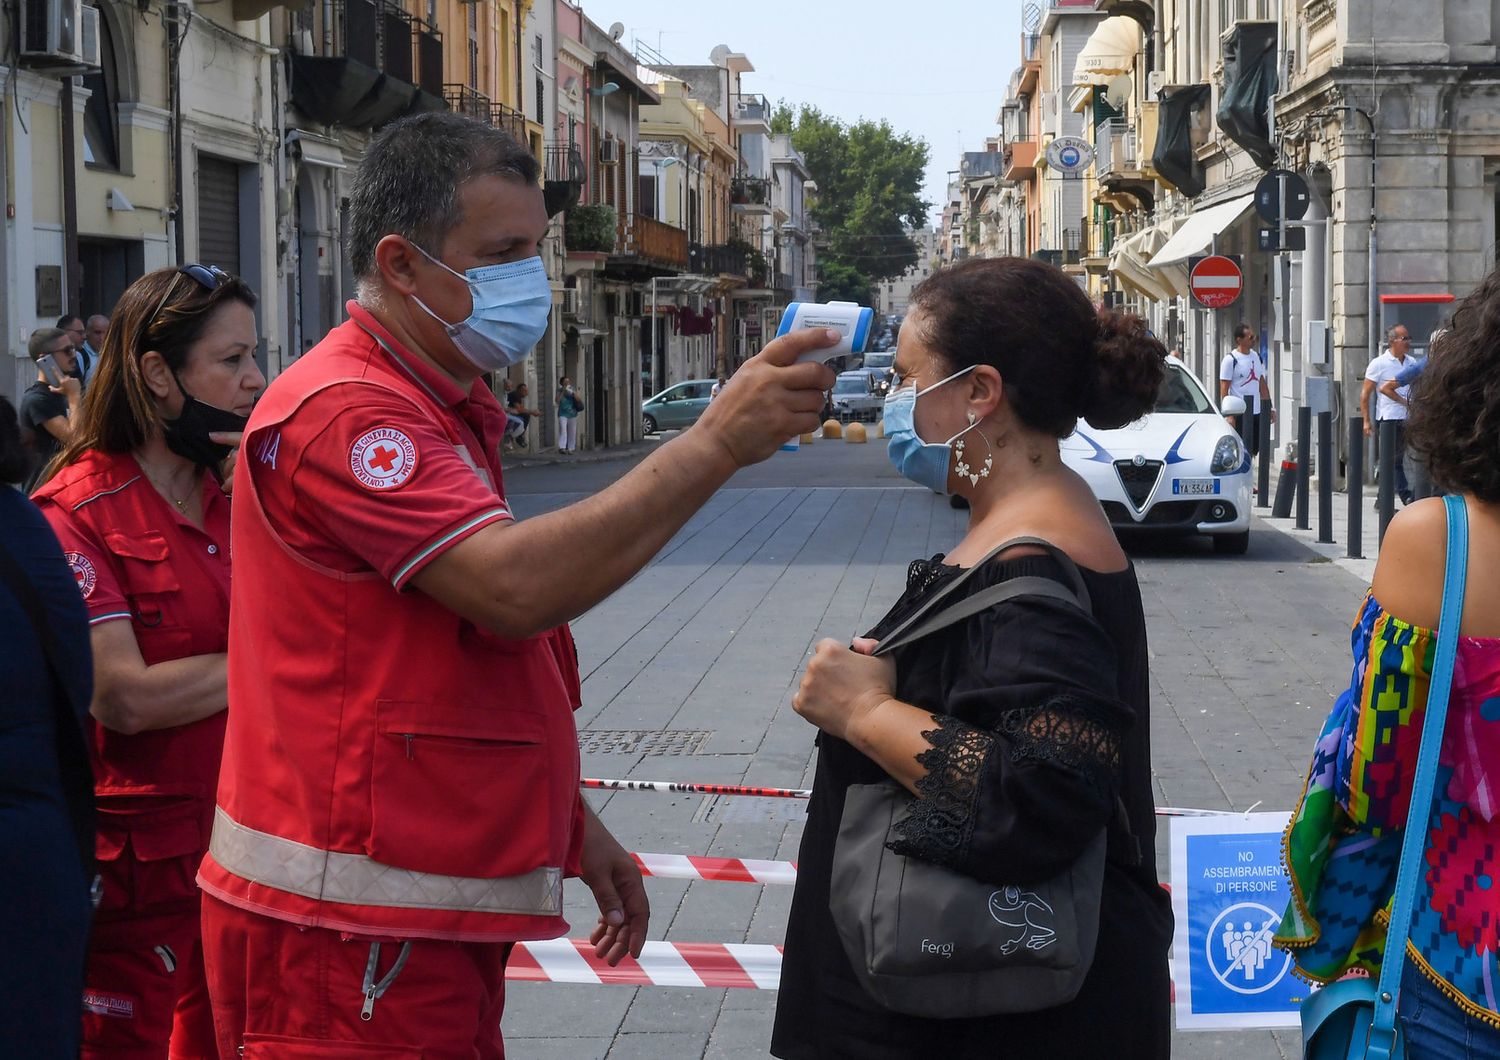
606 89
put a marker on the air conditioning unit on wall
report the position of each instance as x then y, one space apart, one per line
61 35
609 152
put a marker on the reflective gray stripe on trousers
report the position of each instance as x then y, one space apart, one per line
353 879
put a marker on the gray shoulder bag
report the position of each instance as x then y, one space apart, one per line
929 941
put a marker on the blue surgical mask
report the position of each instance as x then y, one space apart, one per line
925 463
512 303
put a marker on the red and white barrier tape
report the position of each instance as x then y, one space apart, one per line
683 787
730 870
696 789
719 965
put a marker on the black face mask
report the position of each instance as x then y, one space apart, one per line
188 434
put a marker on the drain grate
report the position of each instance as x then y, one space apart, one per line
643 741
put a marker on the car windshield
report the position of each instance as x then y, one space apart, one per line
859 384
879 362
1179 393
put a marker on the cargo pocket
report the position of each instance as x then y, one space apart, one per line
150 585
459 791
148 850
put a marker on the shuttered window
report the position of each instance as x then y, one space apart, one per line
219 213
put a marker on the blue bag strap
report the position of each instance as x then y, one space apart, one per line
1382 1042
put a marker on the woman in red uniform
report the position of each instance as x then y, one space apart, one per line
136 500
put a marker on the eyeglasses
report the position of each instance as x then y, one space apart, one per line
209 277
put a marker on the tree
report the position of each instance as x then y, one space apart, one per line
869 196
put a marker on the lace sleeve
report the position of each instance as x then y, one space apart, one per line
1062 731
941 820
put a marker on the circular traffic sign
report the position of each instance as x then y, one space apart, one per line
1216 281
1268 196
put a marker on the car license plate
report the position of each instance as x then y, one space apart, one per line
1193 487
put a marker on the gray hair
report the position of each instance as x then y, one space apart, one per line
41 338
1390 332
408 182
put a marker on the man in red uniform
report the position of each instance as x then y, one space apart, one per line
399 795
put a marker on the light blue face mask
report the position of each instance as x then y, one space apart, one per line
512 303
925 463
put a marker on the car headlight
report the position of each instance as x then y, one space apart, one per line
1229 454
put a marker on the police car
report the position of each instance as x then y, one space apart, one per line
1179 469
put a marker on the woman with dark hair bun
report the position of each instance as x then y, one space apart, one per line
1022 731
135 497
1346 832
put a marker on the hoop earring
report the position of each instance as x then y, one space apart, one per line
963 469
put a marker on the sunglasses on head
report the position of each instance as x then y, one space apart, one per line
209 277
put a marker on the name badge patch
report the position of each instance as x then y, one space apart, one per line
382 459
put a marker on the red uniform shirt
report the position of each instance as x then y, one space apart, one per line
137 559
403 500
390 768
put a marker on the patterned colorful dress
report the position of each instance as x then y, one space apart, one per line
1344 840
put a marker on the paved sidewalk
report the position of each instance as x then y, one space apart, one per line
689 670
550 457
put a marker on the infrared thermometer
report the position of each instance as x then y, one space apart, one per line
851 320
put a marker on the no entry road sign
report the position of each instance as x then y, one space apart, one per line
1216 281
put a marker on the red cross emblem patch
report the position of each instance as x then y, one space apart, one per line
83 572
382 459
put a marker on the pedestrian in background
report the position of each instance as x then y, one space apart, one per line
1401 388
569 405
135 499
1022 730
49 407
1241 373
368 878
515 404
78 335
1390 407
98 327
718 388
46 785
1346 833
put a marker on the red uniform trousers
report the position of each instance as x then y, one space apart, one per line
289 992
144 986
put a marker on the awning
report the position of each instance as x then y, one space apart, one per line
1127 261
1109 52
1198 231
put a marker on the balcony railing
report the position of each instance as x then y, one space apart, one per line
721 258
509 119
470 102
1114 150
379 62
1030 45
750 192
752 112
643 237
563 162
1020 160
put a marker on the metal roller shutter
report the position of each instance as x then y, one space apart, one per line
219 213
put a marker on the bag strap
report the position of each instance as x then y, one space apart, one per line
923 621
1382 1041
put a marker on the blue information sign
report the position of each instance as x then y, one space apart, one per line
1229 892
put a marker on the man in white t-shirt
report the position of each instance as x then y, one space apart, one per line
1242 374
1392 405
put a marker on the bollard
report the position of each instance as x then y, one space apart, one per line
833 429
1264 485
1385 496
1356 470
1286 484
1325 478
855 433
1304 465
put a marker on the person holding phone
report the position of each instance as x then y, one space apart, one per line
135 497
49 405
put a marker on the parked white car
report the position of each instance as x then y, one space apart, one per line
1179 469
